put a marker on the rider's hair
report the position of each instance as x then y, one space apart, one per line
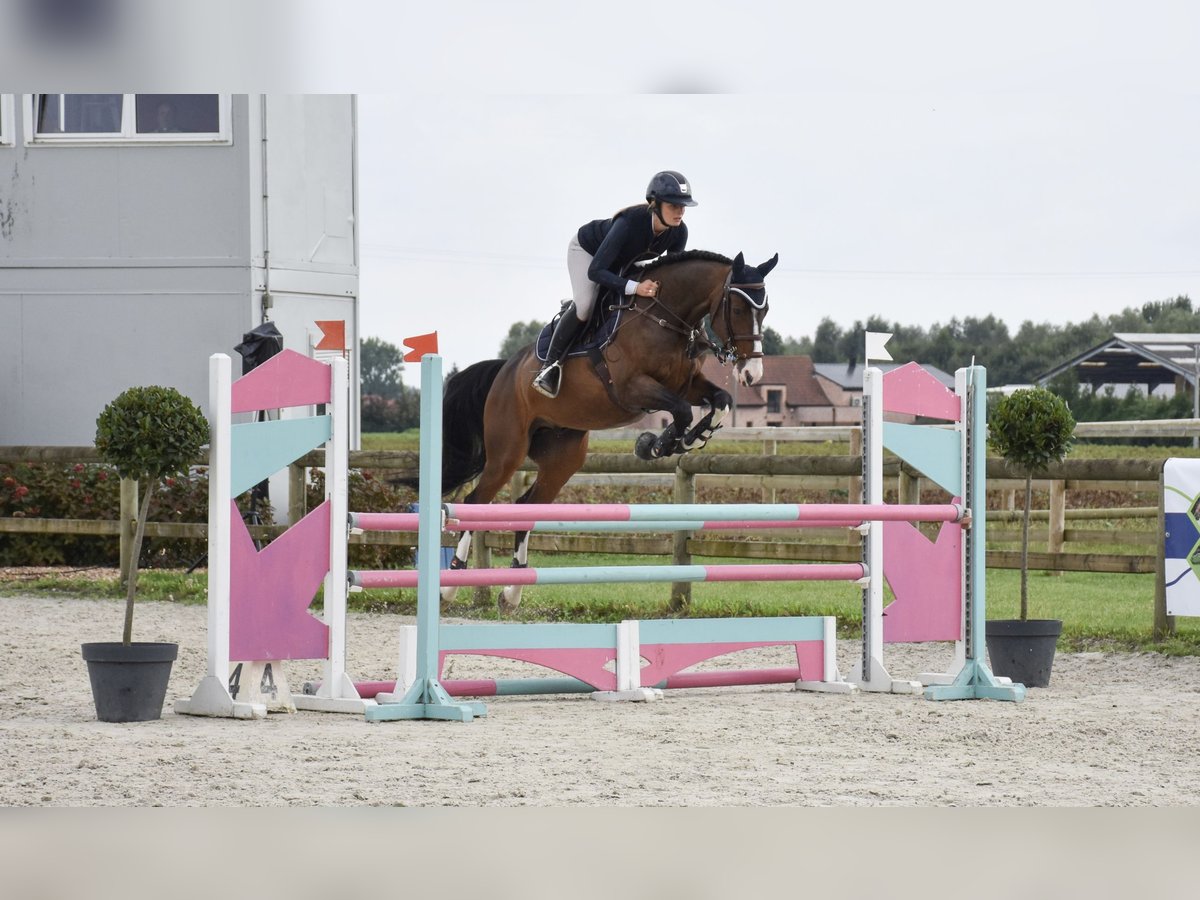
643 205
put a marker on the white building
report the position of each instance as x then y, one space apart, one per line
140 233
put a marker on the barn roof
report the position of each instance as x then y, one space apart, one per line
1142 358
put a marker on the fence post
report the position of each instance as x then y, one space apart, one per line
297 501
908 486
128 519
1057 518
854 494
770 448
517 485
685 492
1164 625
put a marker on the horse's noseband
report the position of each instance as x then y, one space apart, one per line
728 351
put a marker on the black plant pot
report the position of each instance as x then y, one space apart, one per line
129 681
1023 649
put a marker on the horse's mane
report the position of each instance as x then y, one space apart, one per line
686 256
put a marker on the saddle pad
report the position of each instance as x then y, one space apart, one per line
594 335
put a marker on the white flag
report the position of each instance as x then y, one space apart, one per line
875 345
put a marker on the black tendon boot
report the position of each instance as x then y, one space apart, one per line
549 379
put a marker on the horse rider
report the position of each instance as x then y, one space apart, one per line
601 251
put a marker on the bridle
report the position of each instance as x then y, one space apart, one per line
698 337
728 351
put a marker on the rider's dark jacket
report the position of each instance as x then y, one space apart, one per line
628 237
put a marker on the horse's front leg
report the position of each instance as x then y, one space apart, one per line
650 394
719 402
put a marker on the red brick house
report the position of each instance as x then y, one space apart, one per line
794 392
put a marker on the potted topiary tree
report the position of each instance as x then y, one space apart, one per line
146 433
1030 428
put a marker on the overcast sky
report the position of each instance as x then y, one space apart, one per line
917 160
917 168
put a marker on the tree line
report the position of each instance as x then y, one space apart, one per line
390 405
1022 357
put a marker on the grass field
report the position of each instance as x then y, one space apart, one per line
1099 612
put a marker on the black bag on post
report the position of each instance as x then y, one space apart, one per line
257 346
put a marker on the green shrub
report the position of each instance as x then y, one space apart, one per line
149 433
92 491
40 491
185 499
1030 428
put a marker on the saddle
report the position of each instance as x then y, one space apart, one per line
597 333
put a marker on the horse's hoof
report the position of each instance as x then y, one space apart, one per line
509 599
644 447
666 445
504 607
448 594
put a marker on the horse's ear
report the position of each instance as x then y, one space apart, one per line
739 261
768 265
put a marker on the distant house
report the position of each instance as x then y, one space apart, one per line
141 233
794 392
791 395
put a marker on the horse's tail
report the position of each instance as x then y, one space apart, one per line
463 454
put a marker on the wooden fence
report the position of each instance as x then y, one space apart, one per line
1060 530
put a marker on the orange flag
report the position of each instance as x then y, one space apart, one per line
420 344
333 334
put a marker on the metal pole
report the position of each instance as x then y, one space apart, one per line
1196 389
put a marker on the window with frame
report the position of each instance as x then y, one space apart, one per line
138 118
774 401
6 120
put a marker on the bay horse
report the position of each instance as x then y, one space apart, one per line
492 417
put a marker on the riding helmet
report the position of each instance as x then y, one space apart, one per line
670 187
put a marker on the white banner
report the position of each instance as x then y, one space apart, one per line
1181 542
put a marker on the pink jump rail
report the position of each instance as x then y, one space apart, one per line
491 687
407 578
408 522
674 525
474 513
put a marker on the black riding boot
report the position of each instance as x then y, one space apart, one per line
549 379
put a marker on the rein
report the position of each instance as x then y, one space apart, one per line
697 339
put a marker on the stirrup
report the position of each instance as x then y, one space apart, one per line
548 381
